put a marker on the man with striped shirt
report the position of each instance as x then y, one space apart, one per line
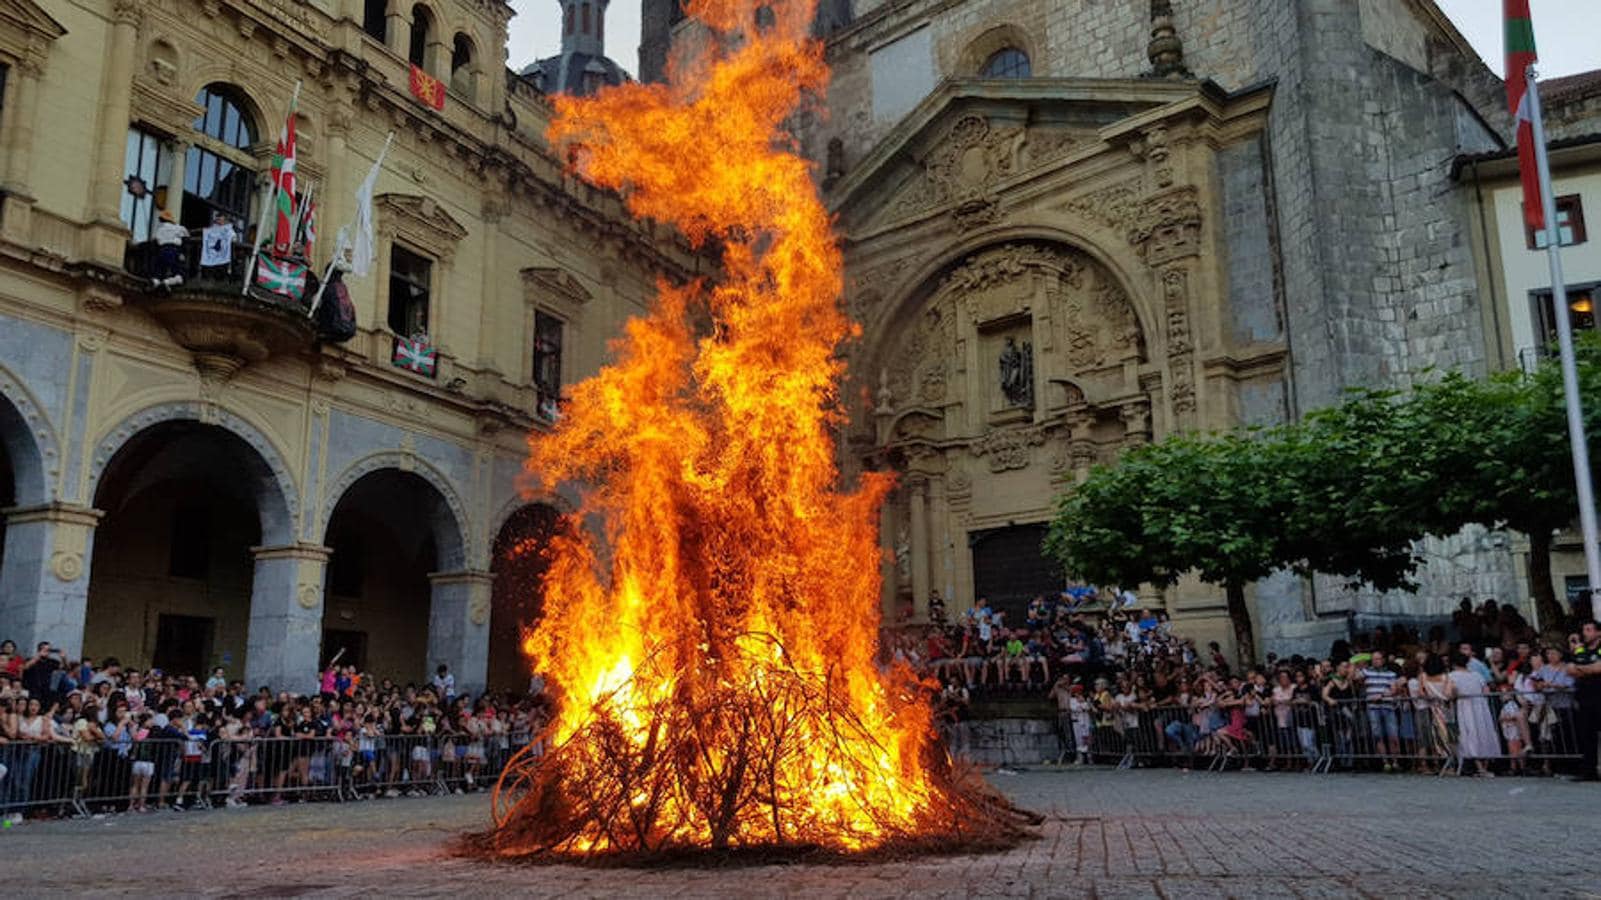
1378 686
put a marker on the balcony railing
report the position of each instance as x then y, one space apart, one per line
211 313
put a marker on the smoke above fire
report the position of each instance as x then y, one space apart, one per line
713 667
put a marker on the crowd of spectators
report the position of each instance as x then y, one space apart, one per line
77 735
1481 695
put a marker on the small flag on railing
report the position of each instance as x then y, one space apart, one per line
415 354
427 88
281 276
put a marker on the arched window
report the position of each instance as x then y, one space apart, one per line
219 173
422 26
375 18
1008 62
567 20
585 23
461 66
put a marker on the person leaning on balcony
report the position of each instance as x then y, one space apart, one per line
169 237
1584 664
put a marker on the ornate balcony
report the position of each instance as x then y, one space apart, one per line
210 315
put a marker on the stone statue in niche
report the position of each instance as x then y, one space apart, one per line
1017 373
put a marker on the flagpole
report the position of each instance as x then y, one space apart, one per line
300 213
1570 368
341 243
255 245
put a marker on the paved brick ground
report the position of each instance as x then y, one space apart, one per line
1111 834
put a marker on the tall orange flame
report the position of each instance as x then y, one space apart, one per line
714 664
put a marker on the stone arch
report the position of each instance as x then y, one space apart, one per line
277 496
464 64
30 442
453 543
905 317
519 562
909 292
980 48
431 22
206 74
520 499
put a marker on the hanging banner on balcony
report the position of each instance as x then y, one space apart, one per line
415 354
427 88
281 276
216 245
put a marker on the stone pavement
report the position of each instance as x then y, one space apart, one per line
1111 834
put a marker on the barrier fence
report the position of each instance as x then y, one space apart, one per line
1531 732
70 778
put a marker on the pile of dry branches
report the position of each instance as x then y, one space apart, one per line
773 764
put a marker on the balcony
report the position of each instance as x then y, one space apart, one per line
208 313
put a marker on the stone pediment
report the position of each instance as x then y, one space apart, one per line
549 282
30 17
421 222
26 29
963 145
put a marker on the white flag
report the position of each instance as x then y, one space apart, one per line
365 246
216 245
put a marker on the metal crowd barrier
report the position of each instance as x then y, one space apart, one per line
68 779
1516 732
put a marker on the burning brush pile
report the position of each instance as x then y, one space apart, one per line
714 667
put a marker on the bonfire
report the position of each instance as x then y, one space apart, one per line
713 655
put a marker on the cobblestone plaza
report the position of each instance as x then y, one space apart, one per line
1109 834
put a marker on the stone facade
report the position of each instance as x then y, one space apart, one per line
109 388
1265 183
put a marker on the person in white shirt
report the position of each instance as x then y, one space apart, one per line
169 236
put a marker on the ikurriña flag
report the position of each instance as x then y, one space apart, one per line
1519 56
283 178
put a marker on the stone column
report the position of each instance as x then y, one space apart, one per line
918 486
116 99
494 210
332 193
436 55
399 29
886 562
17 141
458 626
286 603
44 579
180 161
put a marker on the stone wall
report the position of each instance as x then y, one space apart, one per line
1007 742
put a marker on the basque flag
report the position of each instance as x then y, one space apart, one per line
1519 56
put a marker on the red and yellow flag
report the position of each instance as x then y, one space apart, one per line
1519 56
427 88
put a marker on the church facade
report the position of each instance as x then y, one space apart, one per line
190 477
1177 215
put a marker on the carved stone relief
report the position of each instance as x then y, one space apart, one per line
1115 207
1167 226
1008 448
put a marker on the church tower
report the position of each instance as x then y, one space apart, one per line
582 67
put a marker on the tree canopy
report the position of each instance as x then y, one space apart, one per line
1346 491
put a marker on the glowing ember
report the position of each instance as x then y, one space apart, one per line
714 666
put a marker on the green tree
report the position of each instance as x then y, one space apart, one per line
1347 491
